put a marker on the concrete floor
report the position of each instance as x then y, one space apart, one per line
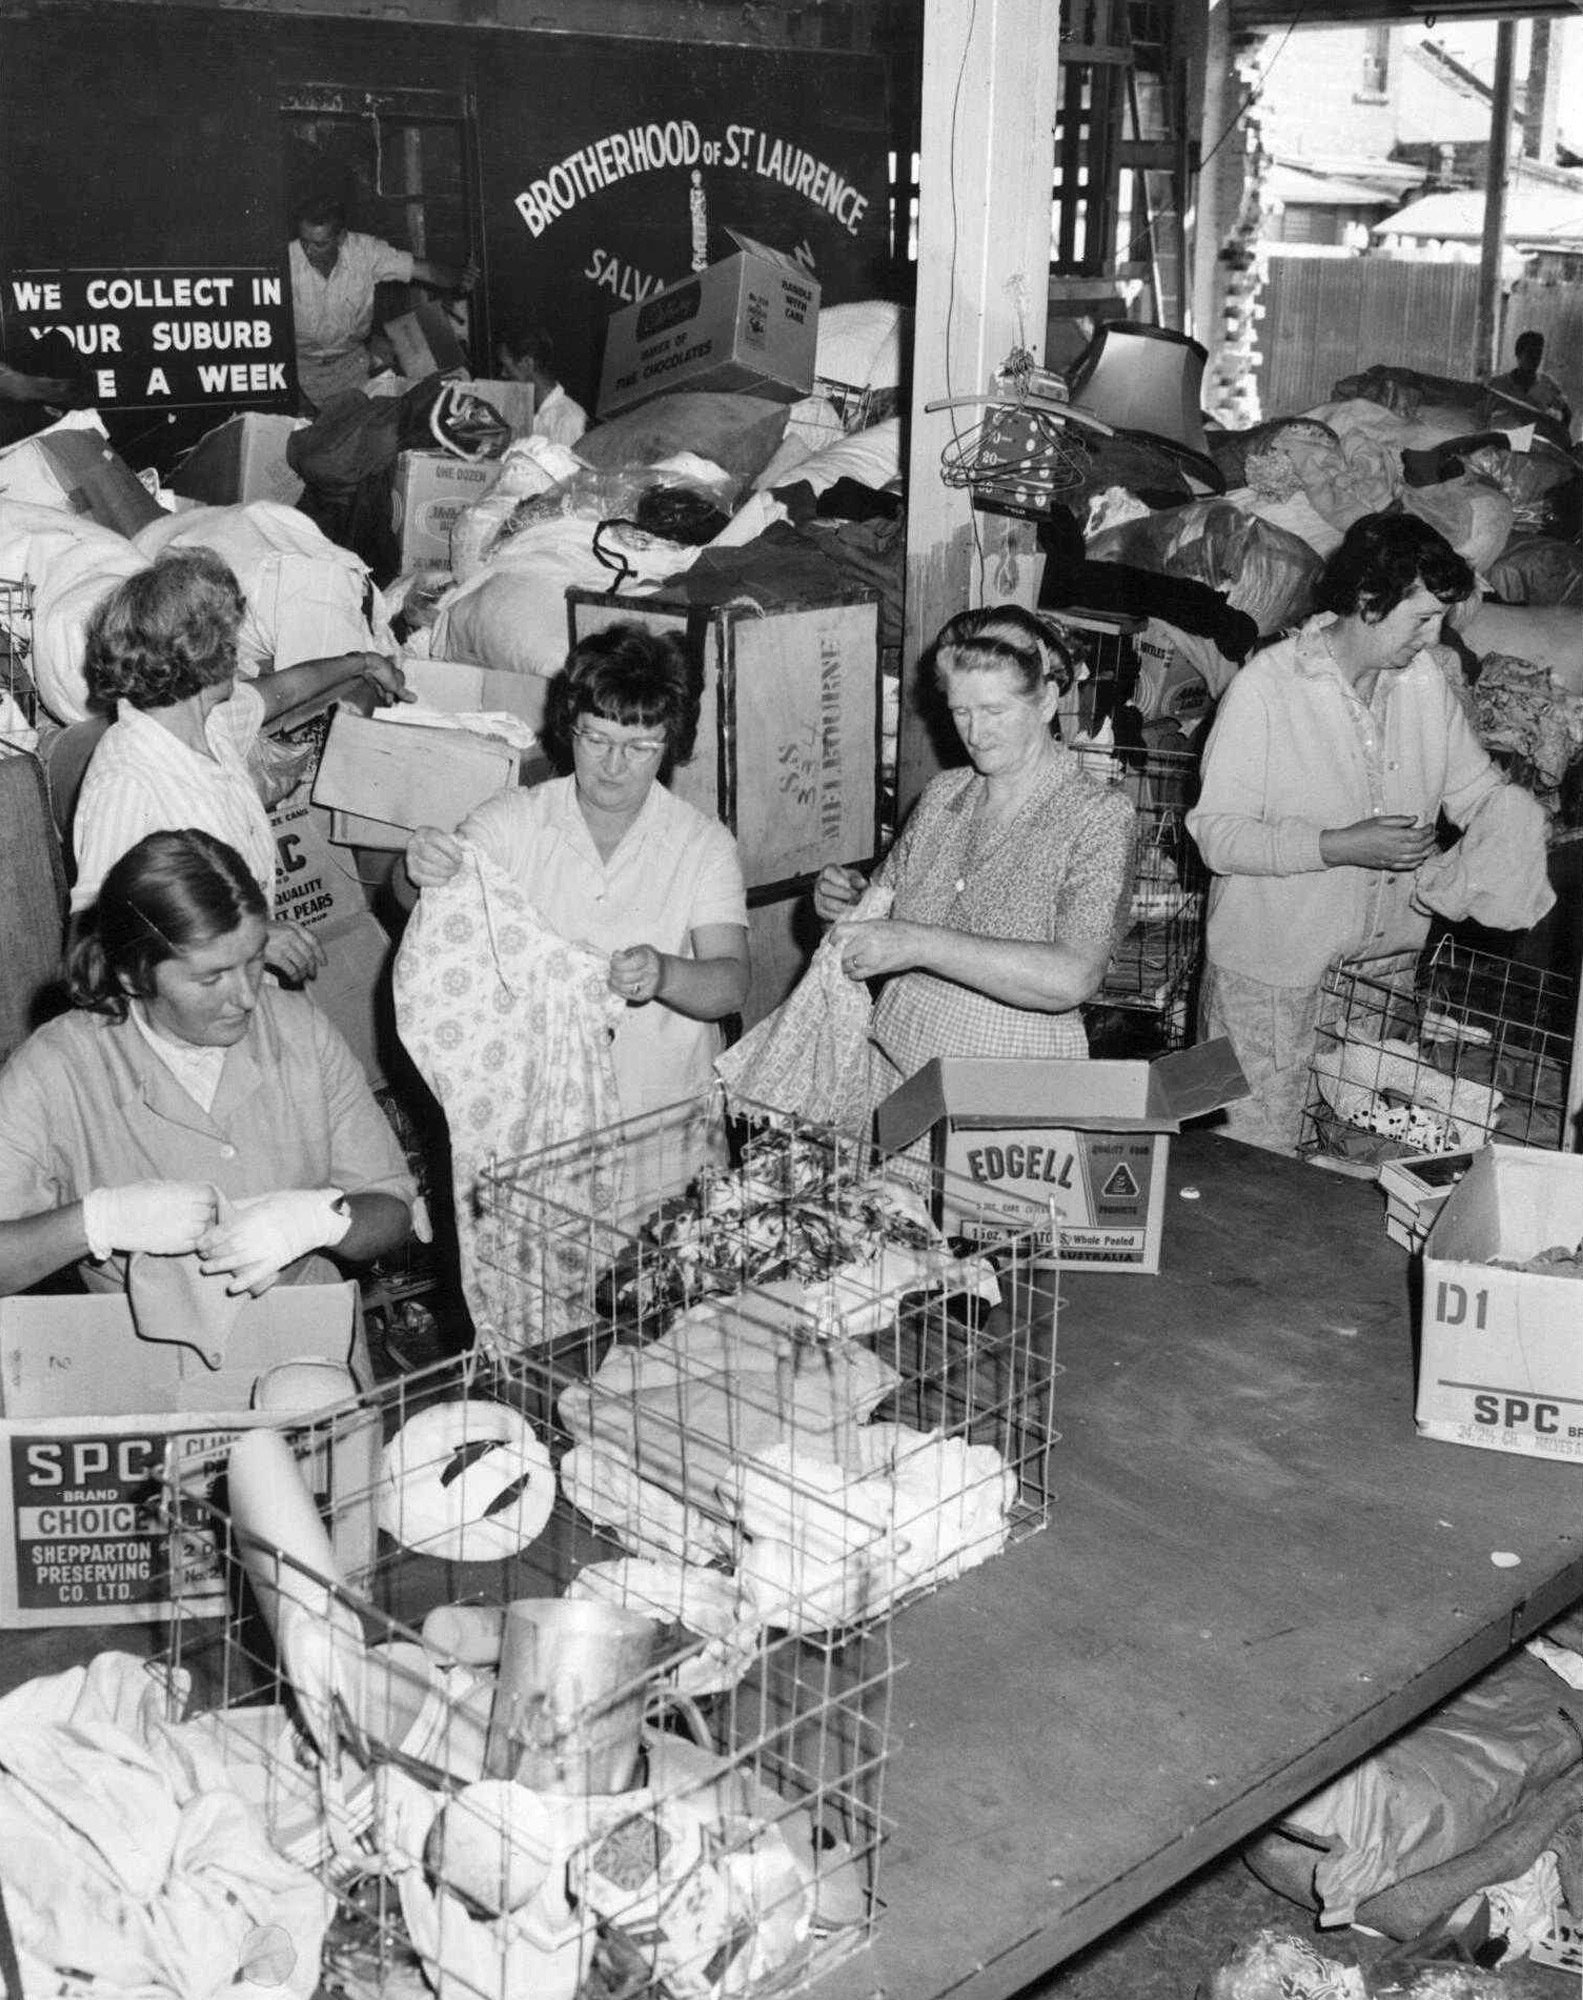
1174 1949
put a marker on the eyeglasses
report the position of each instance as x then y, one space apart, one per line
630 750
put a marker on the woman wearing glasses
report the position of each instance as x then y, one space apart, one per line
610 858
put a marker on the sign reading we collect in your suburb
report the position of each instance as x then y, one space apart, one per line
160 338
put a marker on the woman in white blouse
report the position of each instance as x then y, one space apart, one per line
161 655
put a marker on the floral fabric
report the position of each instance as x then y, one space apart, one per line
511 1027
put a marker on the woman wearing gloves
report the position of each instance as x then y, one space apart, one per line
185 1107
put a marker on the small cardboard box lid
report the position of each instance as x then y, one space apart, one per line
407 777
780 260
1080 1095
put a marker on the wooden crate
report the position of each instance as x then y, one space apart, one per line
788 739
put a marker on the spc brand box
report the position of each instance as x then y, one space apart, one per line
750 322
430 489
94 1420
1011 1138
1501 1361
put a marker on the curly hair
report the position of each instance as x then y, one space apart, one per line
1004 635
631 675
166 633
170 893
1381 559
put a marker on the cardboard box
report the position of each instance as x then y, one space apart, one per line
1092 1137
1501 1360
89 1414
77 467
788 731
426 343
319 888
460 688
1415 1190
511 400
241 461
750 322
389 777
429 490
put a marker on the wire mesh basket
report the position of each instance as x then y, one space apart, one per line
1437 1052
16 649
1156 964
791 1369
1018 457
516 1761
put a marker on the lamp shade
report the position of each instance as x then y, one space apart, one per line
1145 380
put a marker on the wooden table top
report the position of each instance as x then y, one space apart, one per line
1255 1572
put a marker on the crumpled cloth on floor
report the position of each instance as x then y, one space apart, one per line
130 1864
1497 873
810 1058
510 1025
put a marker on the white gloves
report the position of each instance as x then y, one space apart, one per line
262 1236
166 1218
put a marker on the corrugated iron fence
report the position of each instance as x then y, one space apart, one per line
1329 317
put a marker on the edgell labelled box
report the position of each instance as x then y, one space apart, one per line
1091 1137
90 1413
431 488
1501 1351
749 322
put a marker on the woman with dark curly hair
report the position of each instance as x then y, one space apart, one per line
610 858
185 1107
1333 754
161 656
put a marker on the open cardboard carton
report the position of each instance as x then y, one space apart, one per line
1501 1361
94 1418
1088 1140
382 778
749 323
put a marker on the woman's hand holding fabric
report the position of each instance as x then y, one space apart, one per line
836 891
433 857
164 1218
636 973
882 945
295 953
1385 840
262 1236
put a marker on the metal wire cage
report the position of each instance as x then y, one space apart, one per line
1018 457
1437 1052
16 647
1157 961
791 1366
516 1761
